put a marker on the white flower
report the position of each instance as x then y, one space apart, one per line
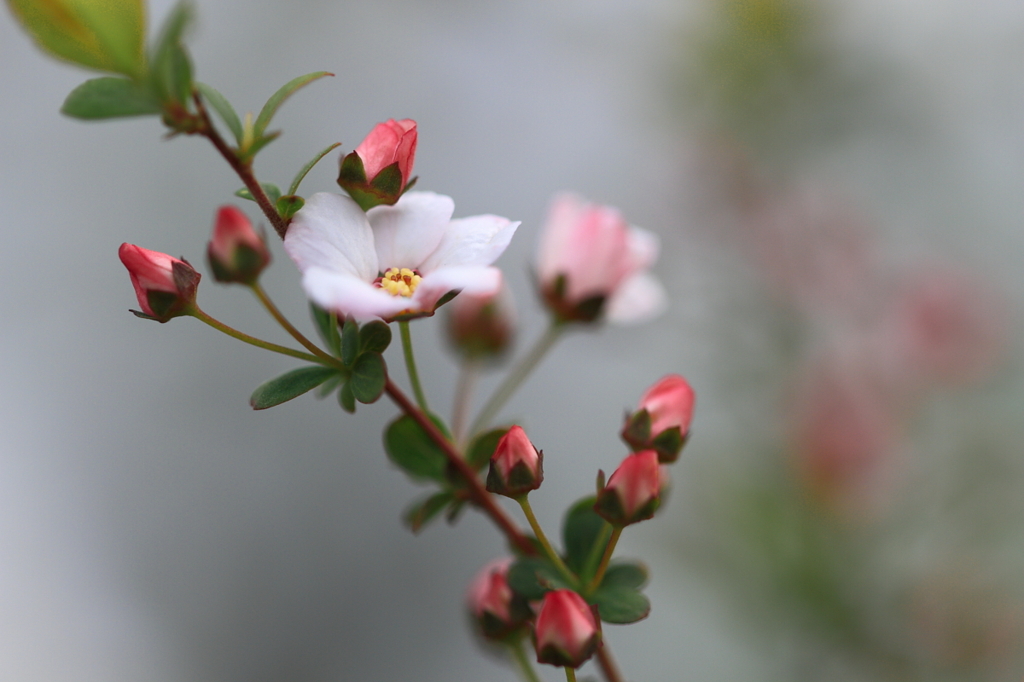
396 260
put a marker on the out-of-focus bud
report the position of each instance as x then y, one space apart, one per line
516 466
496 609
236 253
481 327
165 286
568 631
379 169
662 420
633 491
593 264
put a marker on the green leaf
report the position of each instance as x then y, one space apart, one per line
171 68
369 375
533 577
289 385
326 388
278 98
289 205
109 97
259 143
621 605
346 399
581 532
224 109
425 510
106 35
327 326
308 167
413 451
272 191
375 337
482 447
349 342
625 574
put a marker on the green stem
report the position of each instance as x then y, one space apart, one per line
261 294
469 370
603 566
570 674
410 365
524 502
590 565
251 340
516 376
525 667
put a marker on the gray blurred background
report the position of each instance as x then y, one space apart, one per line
800 163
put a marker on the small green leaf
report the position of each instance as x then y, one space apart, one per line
625 574
109 97
621 605
581 532
171 68
223 108
289 385
289 205
374 337
346 399
327 327
423 511
349 342
326 388
272 191
533 577
308 167
413 451
369 375
259 143
482 447
278 98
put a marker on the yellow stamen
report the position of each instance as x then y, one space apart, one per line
400 282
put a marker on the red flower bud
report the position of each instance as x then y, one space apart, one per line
568 631
379 169
496 609
517 467
236 253
481 326
662 421
633 492
164 286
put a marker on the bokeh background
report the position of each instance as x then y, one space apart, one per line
837 186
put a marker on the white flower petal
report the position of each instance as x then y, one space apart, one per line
332 232
478 280
348 295
638 299
406 233
477 240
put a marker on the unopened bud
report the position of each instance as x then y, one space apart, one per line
496 609
165 286
379 169
633 491
481 326
662 420
568 631
517 467
236 252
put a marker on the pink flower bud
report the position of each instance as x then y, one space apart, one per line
591 262
481 326
236 253
496 609
568 631
662 420
379 169
633 492
516 466
164 286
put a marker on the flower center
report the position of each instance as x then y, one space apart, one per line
400 282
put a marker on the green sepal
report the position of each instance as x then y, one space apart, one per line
170 67
581 534
288 205
278 98
620 605
609 506
221 105
483 446
349 342
289 385
272 191
521 479
669 443
637 431
426 509
384 189
327 326
308 167
388 183
374 337
369 376
413 451
347 399
109 97
533 577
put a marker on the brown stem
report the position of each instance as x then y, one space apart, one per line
608 667
478 493
242 169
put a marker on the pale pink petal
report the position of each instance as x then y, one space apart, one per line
556 237
332 232
406 233
477 240
638 299
643 247
472 279
348 295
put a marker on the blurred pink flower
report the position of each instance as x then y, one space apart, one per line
568 631
236 253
